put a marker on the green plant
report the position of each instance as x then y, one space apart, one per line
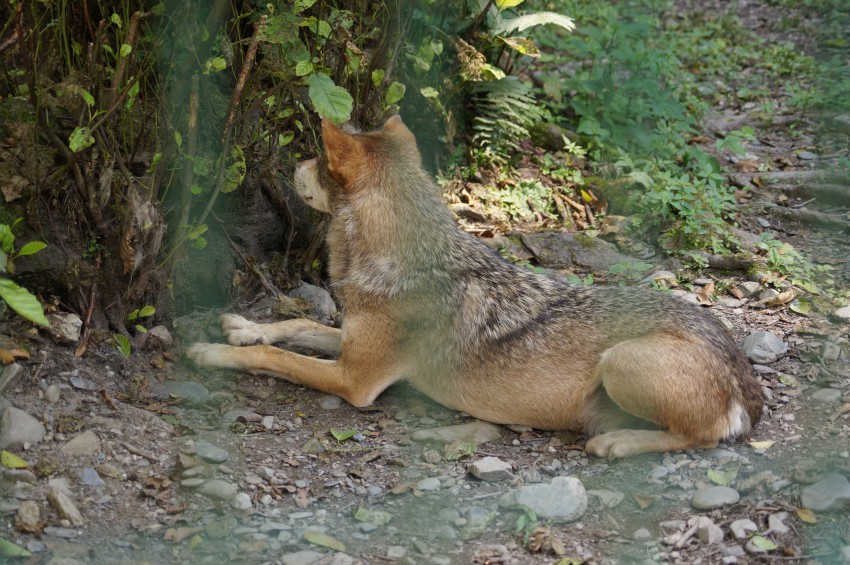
18 298
786 262
138 314
526 523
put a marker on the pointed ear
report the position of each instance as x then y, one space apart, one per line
343 151
395 126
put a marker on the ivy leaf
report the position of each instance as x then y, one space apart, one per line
522 45
31 248
395 93
81 138
21 301
329 100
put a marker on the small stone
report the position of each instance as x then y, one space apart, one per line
158 337
473 432
830 492
709 498
305 557
90 478
10 377
690 297
608 498
29 514
843 314
702 281
65 507
763 222
17 428
708 532
52 394
827 395
318 298
192 482
66 533
730 302
240 415
65 326
763 347
430 483
748 288
35 546
562 500
776 523
216 488
491 469
209 452
313 445
642 534
396 552
768 293
665 278
84 444
268 422
366 527
330 402
242 501
807 155
186 390
741 528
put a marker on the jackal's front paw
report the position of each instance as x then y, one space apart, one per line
213 355
240 331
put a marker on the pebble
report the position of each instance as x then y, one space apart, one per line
66 533
242 501
186 390
192 482
768 293
562 500
396 552
10 376
330 402
807 155
830 492
318 298
702 281
65 507
159 336
748 288
86 443
90 478
52 394
430 483
843 314
17 428
763 347
65 326
730 302
776 523
663 277
741 528
305 557
827 396
217 488
608 498
708 532
709 498
35 546
491 469
240 414
29 514
642 535
313 445
210 453
474 432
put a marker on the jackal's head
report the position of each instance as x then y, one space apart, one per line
354 161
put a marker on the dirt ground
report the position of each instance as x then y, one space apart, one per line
295 476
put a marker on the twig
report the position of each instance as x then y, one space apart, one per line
234 104
191 151
132 38
283 209
140 452
114 105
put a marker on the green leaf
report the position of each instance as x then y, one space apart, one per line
7 239
395 93
147 311
133 315
284 139
214 65
81 138
31 248
429 92
323 539
788 380
235 173
800 306
122 344
131 96
763 543
141 329
197 231
329 100
12 461
303 68
505 4
126 49
531 20
178 139
196 189
9 549
376 517
377 77
721 478
21 301
342 435
301 5
87 97
522 45
116 19
199 243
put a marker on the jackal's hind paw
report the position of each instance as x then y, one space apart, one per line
240 331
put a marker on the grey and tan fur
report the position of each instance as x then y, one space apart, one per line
427 303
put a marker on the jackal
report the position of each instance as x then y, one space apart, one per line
425 302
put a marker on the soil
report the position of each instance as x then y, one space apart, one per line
302 481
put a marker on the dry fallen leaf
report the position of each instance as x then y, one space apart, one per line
766 444
704 294
9 355
807 516
179 534
747 165
781 298
644 502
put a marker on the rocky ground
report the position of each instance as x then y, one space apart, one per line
148 460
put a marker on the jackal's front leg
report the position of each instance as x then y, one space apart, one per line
299 332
